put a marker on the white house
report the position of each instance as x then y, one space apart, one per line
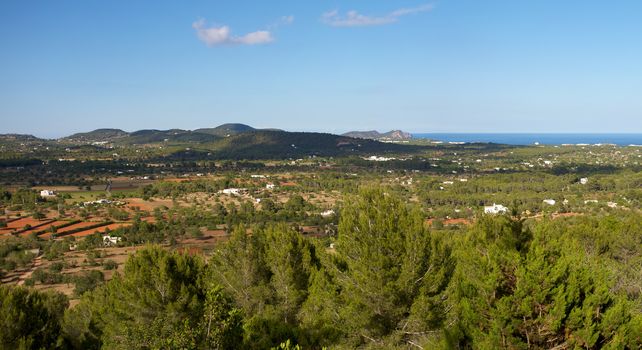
549 201
47 193
109 241
269 186
584 181
495 209
232 191
257 176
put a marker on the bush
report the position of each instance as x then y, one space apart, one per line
56 267
87 281
47 277
110 264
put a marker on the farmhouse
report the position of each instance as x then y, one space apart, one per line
47 193
232 191
109 241
549 201
495 209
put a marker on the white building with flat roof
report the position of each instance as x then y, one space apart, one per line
495 209
47 193
232 191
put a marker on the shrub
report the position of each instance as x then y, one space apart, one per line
110 264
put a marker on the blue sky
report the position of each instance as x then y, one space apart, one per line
421 66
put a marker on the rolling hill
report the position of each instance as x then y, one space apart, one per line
271 144
173 135
98 135
225 130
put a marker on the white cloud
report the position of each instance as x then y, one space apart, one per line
355 19
258 37
213 36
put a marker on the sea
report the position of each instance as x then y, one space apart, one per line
531 139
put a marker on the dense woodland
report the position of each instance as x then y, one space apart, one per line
387 281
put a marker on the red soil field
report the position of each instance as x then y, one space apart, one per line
46 235
77 226
43 228
101 229
19 224
70 228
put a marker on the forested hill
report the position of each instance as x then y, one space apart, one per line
154 135
282 144
97 135
226 129
18 138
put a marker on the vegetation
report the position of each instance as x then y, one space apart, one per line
387 282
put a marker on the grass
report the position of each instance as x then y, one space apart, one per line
83 196
86 196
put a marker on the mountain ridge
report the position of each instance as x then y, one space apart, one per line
227 141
